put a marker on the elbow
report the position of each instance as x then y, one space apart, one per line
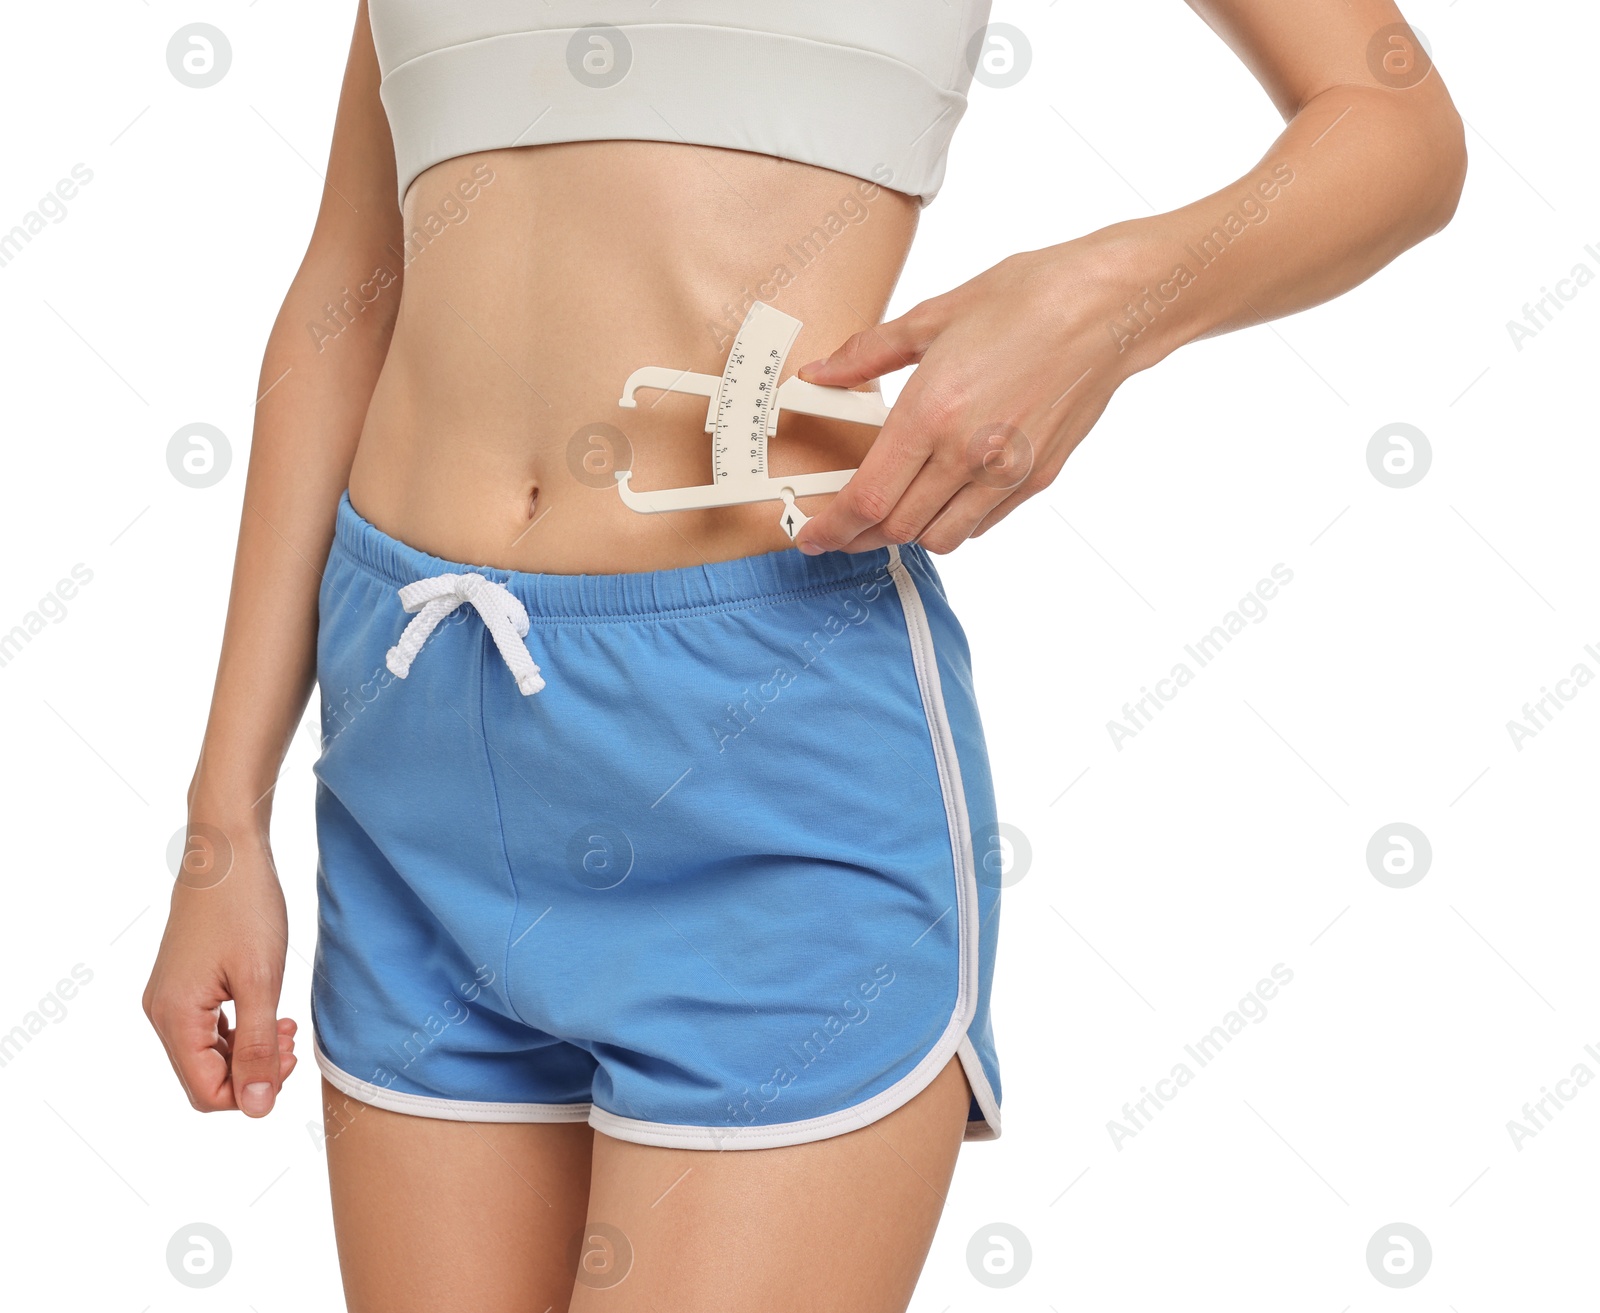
1446 147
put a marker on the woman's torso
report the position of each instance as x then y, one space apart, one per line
538 278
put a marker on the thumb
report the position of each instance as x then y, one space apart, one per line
870 353
253 1048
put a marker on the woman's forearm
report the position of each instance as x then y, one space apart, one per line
1016 365
1358 175
314 394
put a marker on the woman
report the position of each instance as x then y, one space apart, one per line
647 824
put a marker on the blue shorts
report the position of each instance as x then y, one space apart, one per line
706 857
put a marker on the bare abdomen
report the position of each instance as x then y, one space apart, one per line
537 279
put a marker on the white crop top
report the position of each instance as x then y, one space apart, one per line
871 88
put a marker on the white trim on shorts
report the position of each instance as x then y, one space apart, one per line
458 1110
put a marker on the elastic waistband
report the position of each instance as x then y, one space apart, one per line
769 576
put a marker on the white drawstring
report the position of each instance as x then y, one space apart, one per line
504 616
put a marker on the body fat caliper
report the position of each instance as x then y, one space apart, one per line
743 414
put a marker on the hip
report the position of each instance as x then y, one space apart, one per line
766 695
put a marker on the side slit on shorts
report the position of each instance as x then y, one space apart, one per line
706 857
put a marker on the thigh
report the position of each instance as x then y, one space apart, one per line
436 1216
840 1225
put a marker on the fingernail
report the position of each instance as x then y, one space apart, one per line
815 364
258 1096
810 548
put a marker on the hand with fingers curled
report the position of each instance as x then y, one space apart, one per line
226 939
1013 368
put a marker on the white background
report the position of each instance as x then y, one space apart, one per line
1166 878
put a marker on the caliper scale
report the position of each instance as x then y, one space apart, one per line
742 415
